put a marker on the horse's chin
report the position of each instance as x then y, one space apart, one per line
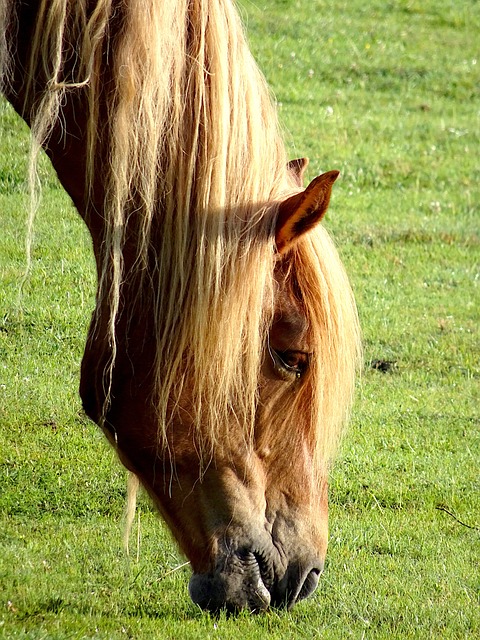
230 590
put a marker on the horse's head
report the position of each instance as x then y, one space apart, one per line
251 514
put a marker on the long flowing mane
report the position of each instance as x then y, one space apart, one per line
195 165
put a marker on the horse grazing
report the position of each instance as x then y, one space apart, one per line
222 351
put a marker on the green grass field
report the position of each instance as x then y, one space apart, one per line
389 93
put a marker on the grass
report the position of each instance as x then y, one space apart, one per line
387 92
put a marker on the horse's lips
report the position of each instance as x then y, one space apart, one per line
261 596
239 584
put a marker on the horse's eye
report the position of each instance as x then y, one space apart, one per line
289 364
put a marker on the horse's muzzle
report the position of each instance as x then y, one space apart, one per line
246 581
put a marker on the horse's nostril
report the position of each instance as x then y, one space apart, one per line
299 583
309 585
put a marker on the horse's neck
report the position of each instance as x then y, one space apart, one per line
66 145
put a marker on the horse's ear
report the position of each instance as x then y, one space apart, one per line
297 168
301 212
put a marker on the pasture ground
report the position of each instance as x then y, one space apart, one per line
389 93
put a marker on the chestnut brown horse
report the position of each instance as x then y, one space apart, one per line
222 351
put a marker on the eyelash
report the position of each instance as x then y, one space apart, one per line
282 366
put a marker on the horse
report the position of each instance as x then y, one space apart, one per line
222 352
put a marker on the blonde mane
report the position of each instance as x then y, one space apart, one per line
195 166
